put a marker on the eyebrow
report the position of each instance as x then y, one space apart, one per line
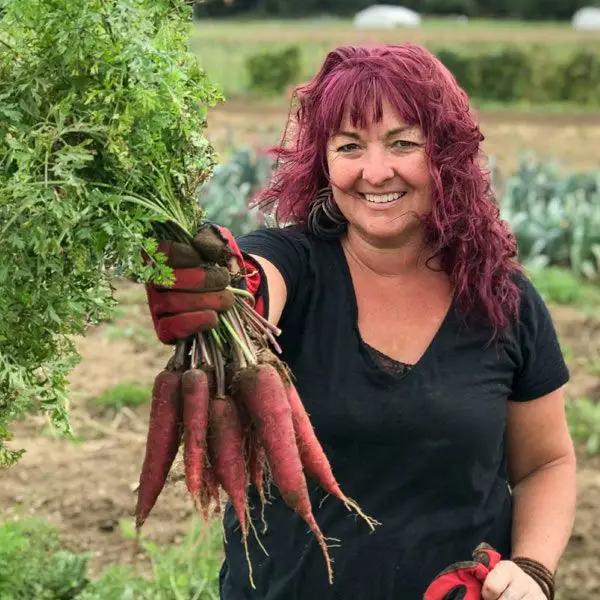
389 134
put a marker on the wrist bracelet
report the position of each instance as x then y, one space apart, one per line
539 573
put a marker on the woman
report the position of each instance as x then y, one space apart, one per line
426 359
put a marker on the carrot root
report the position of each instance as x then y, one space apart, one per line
313 457
164 436
194 386
257 538
322 543
262 392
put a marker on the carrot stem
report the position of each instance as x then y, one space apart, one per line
247 353
241 293
251 312
205 356
273 342
237 321
217 338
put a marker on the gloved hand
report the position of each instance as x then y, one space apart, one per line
250 277
202 273
464 580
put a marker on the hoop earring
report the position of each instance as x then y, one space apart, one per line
325 219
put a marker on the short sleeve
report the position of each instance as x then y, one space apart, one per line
286 248
541 368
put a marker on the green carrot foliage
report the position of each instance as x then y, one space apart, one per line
102 112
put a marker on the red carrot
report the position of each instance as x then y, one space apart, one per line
313 457
226 452
164 436
262 391
225 448
194 386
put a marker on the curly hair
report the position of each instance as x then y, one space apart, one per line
475 247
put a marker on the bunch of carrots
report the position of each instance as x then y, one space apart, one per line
233 404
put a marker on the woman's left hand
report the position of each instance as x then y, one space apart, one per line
507 581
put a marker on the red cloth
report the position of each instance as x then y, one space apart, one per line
198 294
251 271
464 580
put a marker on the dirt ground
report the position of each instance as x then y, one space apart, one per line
86 487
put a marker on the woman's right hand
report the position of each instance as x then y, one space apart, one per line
199 292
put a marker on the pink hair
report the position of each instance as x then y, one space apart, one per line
476 248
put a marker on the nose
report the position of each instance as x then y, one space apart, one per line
376 169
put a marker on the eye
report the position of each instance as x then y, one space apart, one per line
405 144
348 148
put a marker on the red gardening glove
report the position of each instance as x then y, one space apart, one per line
252 272
202 273
464 580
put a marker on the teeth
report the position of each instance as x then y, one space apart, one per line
383 198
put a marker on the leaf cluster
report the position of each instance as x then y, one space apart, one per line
33 563
555 216
186 570
227 197
102 112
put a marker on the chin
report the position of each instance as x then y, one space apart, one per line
388 233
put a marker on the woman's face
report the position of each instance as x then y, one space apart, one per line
380 178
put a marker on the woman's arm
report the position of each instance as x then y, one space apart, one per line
541 468
276 288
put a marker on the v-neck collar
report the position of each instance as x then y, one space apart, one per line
353 311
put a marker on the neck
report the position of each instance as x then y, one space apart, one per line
397 260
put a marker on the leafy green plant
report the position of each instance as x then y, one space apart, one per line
561 286
186 571
271 71
556 217
504 74
33 563
525 73
123 394
102 112
461 65
581 77
118 582
583 415
227 196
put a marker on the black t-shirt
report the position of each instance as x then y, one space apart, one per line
422 450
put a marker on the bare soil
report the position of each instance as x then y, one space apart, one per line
86 487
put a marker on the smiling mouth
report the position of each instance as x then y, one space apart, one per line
383 198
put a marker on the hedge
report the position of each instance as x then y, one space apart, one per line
526 74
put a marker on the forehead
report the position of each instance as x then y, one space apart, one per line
384 117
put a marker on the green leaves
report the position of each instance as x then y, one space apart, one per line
555 216
226 197
33 563
102 109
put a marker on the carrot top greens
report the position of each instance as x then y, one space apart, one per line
102 112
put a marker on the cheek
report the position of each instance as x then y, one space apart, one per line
418 171
342 172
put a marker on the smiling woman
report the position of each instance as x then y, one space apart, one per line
425 358
387 327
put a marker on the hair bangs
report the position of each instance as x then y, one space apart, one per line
357 96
